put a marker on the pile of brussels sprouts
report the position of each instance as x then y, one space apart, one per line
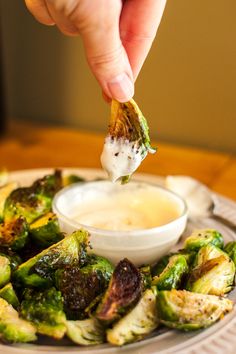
53 285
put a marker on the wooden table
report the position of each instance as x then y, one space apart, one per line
31 146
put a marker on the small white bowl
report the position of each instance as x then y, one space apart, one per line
144 244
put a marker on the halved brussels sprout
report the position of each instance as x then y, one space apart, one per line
45 310
123 292
45 231
139 322
8 293
200 238
127 142
5 191
85 332
34 201
230 249
39 271
81 286
5 270
70 179
213 273
173 273
145 271
12 328
14 233
189 311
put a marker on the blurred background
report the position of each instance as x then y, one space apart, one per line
187 88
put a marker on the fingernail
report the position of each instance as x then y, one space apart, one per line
121 88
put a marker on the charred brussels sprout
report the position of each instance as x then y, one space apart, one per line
45 231
123 292
230 249
189 311
85 332
128 130
145 271
173 273
5 270
80 286
40 270
200 238
14 258
34 201
45 310
14 233
140 321
70 179
8 293
5 191
12 328
214 272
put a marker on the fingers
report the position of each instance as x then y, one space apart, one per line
138 25
39 10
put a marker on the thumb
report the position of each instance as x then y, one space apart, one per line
109 62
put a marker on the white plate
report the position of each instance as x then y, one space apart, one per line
218 339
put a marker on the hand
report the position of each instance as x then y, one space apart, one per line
117 35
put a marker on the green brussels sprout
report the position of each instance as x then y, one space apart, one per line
189 311
5 191
85 332
14 233
39 271
127 124
34 201
70 179
45 231
8 293
45 310
5 270
139 322
81 286
145 271
173 273
13 257
213 272
14 329
200 238
123 292
230 249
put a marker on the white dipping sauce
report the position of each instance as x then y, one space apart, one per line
125 209
120 157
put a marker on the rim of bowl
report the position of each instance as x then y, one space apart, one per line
105 232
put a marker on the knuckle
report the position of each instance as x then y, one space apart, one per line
132 36
107 59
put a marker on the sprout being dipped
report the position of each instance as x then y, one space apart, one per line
138 323
127 142
184 310
213 273
45 310
123 292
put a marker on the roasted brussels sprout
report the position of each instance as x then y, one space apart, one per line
85 332
230 249
145 271
70 179
189 311
45 231
34 201
5 191
200 238
39 271
45 310
80 286
140 321
173 273
214 272
128 136
13 257
5 270
12 328
8 293
14 233
123 292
